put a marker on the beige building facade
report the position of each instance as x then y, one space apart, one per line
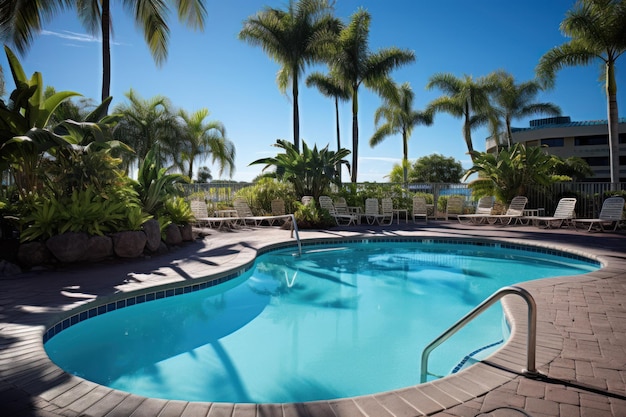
588 140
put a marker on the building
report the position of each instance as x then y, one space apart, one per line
588 140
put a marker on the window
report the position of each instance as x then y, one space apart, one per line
597 161
553 142
622 138
592 140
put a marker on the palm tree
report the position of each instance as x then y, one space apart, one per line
353 64
397 110
515 101
464 97
596 29
145 124
293 38
202 139
330 87
22 20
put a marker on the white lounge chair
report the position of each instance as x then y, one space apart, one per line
564 212
345 219
386 216
202 218
483 209
612 213
245 215
419 208
513 214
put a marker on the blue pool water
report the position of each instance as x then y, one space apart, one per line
338 321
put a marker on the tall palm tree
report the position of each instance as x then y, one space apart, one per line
293 38
464 97
515 101
22 20
353 64
146 124
330 87
397 110
201 139
596 29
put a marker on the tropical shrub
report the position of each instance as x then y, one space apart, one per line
310 172
311 216
177 210
260 195
509 172
154 185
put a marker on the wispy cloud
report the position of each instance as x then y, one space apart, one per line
380 159
74 36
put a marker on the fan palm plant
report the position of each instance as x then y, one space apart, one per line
465 98
353 64
596 29
201 139
515 101
293 38
397 111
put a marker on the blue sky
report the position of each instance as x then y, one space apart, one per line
236 81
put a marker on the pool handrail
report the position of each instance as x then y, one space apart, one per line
531 347
294 227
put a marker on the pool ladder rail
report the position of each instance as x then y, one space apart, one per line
531 344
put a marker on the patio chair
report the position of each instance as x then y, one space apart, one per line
202 218
513 214
245 215
563 213
419 208
612 212
454 208
341 205
306 199
483 209
341 219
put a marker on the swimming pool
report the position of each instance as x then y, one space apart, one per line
339 321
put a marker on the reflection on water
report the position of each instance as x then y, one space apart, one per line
347 321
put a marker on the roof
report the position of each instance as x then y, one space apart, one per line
568 124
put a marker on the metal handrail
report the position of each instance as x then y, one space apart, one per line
532 329
294 227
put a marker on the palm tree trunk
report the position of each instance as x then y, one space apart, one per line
405 156
296 112
611 94
355 134
467 131
106 51
338 138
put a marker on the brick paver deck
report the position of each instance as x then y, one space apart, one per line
581 349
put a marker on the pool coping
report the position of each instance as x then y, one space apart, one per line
27 366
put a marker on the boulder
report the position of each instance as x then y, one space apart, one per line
172 235
68 247
186 232
129 244
98 248
33 254
153 234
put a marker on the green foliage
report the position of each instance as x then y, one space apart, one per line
136 217
509 172
178 210
311 216
310 172
154 185
430 169
261 194
86 210
23 139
